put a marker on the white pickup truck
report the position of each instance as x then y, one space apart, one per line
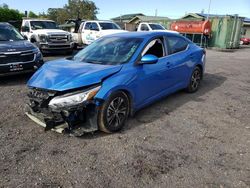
46 35
153 27
89 31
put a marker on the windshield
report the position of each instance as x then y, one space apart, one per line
8 33
43 25
109 51
108 25
156 27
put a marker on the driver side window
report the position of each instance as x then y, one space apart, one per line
155 47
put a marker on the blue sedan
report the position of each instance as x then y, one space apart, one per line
117 75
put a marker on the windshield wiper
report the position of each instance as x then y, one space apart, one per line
93 62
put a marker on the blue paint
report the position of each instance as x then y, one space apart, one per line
145 82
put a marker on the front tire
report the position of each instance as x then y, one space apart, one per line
195 80
113 113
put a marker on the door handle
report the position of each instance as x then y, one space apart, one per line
168 64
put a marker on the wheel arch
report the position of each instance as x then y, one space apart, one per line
201 68
34 38
128 93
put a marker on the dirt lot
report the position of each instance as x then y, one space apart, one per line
184 140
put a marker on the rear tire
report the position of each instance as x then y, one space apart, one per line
113 113
195 80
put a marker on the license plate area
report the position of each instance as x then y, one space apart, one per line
16 67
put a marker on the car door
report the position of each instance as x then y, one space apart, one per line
26 31
178 61
152 79
86 32
94 31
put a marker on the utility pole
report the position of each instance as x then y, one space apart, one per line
209 9
156 12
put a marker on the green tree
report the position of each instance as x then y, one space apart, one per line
83 9
42 15
32 15
7 14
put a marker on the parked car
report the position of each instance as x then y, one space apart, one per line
46 35
245 41
111 79
153 27
89 31
17 55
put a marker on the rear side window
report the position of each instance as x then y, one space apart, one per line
176 44
94 26
144 27
87 26
26 24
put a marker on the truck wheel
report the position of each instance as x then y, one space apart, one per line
195 80
113 113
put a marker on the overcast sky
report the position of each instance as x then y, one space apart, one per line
170 8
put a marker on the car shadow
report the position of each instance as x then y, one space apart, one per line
167 105
172 102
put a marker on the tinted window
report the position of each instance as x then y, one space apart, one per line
144 27
155 47
107 25
94 26
26 24
156 27
8 33
87 26
43 25
176 44
109 51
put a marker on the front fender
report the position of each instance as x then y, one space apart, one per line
119 81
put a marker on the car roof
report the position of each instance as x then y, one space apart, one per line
4 24
100 21
143 34
30 19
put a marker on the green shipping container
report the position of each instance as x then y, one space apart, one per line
226 32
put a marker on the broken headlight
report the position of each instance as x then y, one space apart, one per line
73 99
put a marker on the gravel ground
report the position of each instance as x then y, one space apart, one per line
184 140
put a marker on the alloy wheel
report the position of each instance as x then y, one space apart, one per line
195 80
117 112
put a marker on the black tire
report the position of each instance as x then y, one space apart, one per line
114 112
195 80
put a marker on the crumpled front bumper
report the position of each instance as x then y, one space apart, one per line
76 121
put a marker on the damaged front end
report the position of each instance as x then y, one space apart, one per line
73 112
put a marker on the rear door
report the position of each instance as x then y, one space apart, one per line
178 61
89 32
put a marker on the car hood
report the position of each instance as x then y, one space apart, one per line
63 74
15 46
49 31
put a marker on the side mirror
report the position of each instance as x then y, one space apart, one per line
149 59
25 29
